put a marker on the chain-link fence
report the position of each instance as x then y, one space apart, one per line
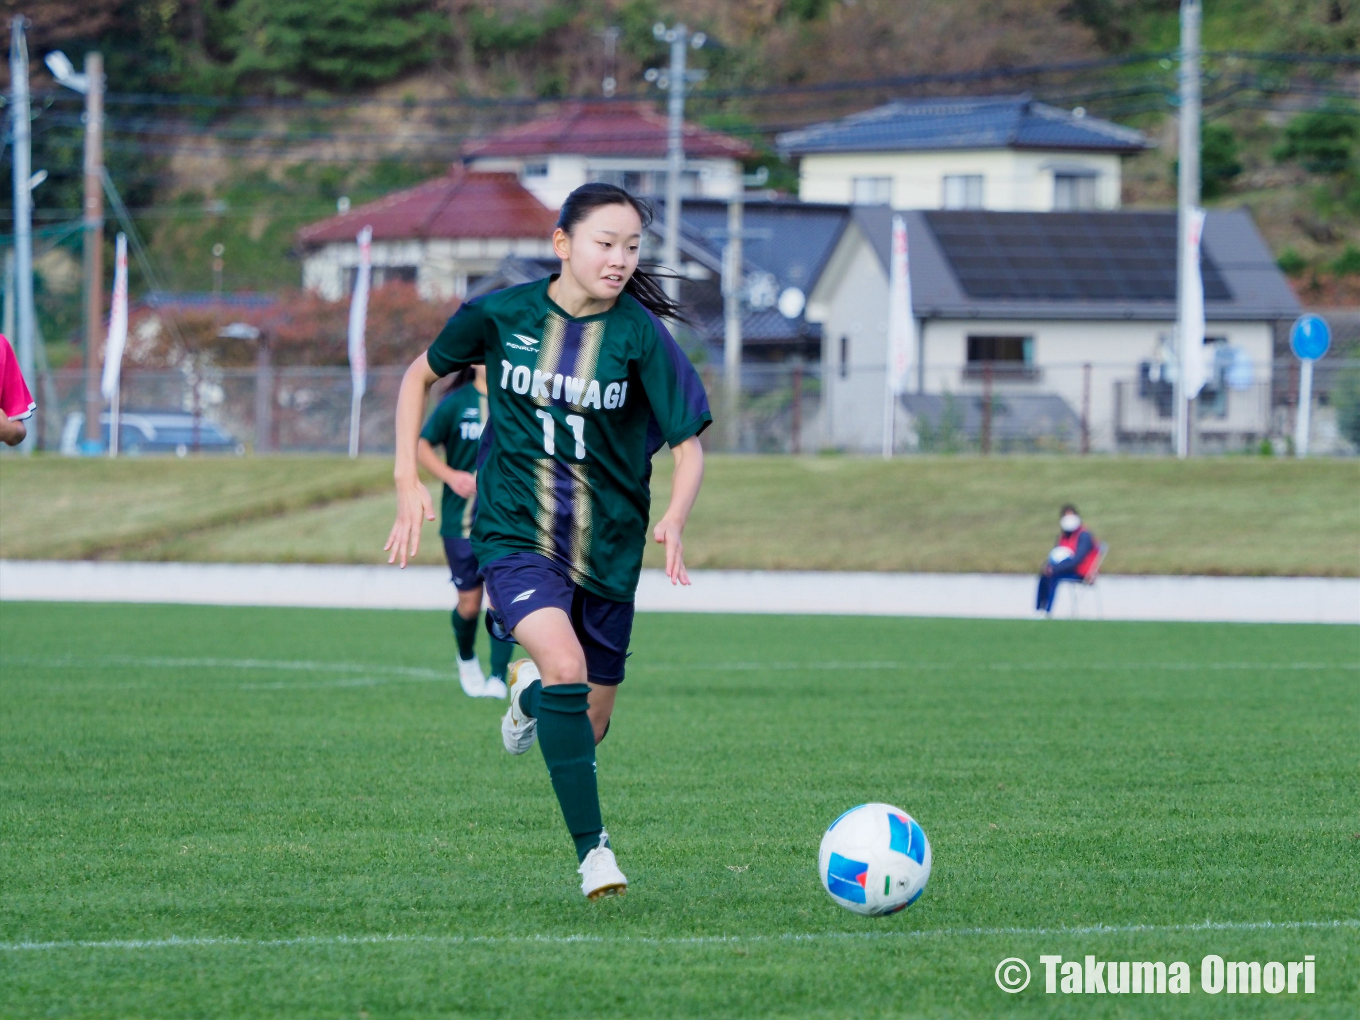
779 408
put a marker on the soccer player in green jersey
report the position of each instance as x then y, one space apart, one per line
456 425
584 384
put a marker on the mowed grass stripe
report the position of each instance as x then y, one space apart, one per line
1136 802
696 940
423 673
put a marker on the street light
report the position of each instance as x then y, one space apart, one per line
65 72
90 84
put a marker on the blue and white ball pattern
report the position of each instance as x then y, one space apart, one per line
875 859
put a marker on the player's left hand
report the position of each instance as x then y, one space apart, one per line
464 483
667 533
414 507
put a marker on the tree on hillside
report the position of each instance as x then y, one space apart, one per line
285 45
1323 141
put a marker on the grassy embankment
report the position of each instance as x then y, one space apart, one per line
1221 516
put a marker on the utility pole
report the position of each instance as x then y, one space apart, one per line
674 80
94 241
1187 199
24 183
732 274
611 61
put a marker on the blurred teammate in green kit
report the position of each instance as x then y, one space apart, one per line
456 425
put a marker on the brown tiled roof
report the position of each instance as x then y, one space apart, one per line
462 203
603 129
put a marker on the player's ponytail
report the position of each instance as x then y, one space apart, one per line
643 285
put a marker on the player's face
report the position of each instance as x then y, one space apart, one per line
601 252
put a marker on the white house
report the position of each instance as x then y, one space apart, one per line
443 235
618 141
1008 153
1066 319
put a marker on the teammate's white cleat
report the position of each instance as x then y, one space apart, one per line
472 678
517 729
600 874
495 687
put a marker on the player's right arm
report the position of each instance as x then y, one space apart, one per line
12 431
462 342
414 505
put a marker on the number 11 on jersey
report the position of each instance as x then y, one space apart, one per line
575 422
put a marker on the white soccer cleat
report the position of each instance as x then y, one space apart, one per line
472 678
600 874
517 729
495 688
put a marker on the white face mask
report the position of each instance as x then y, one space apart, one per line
1069 523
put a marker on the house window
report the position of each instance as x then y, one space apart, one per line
536 169
1212 401
1011 356
1074 191
381 275
871 191
647 182
963 191
845 357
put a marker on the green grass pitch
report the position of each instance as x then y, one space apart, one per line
309 804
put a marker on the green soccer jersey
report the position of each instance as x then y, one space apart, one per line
577 409
456 425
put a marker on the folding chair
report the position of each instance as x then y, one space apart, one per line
1086 589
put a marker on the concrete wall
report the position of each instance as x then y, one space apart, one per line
855 308
443 265
1013 180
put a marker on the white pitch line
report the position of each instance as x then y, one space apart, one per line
697 940
424 673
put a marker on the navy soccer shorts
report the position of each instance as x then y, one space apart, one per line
521 583
467 575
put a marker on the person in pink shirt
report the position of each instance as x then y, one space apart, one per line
16 403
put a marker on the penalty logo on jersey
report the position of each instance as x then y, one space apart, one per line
530 343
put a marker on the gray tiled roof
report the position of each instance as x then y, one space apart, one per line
1114 248
966 122
790 239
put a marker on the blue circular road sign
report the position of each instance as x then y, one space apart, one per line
1309 337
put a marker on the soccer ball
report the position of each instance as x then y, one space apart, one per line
875 859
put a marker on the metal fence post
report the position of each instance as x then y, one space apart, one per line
1086 408
986 407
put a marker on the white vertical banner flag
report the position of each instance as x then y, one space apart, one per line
116 340
358 320
901 330
1193 370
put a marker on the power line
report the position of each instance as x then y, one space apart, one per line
894 81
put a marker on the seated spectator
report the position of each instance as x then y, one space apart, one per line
1072 559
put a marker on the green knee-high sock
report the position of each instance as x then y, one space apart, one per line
568 742
465 633
500 657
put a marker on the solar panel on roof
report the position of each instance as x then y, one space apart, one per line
1066 256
